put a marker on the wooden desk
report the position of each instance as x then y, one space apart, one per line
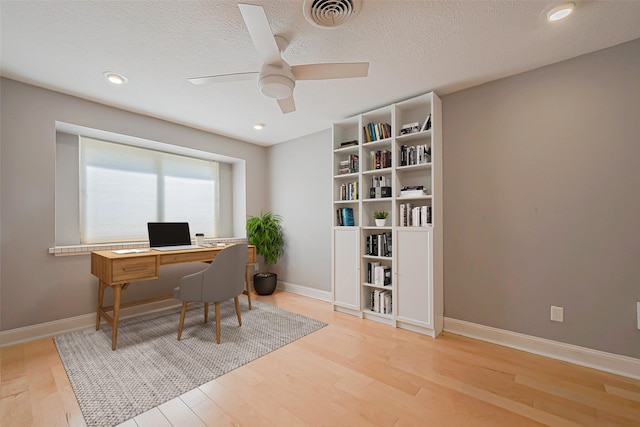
117 271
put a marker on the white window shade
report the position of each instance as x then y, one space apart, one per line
124 187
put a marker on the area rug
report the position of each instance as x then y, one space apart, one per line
150 366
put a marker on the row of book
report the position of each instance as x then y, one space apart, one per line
380 181
414 216
381 301
380 187
380 159
378 244
415 127
376 131
344 217
415 154
349 191
413 191
349 165
378 274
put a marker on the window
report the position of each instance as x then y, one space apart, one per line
123 187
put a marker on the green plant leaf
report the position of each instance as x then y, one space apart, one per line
265 233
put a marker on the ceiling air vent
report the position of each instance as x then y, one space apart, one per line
330 13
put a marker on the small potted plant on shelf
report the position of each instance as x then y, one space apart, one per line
265 233
380 217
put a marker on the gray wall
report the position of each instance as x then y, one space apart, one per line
542 201
37 287
540 191
300 191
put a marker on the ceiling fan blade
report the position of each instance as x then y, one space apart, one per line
344 70
287 105
224 78
256 21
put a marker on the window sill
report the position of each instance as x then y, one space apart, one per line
87 249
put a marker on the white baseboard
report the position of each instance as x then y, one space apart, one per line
304 291
57 327
608 362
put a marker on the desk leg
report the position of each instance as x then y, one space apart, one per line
246 278
117 292
101 288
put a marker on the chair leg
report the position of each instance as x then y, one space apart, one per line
217 305
182 313
248 285
206 312
238 310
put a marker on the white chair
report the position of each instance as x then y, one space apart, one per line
223 279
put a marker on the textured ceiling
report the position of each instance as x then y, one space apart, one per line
412 46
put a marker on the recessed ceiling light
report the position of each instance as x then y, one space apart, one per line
560 12
259 126
115 78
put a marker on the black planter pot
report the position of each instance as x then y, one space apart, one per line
265 283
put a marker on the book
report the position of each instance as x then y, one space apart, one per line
376 131
344 217
347 217
388 309
410 128
412 193
371 266
427 123
349 143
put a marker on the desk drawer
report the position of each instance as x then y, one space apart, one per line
133 269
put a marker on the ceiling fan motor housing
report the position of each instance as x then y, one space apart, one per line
276 82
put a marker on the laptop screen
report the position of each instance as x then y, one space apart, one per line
168 234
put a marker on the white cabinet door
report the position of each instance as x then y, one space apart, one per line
414 277
346 275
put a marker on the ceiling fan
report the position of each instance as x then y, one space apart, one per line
276 79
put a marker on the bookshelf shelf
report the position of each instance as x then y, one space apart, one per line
365 256
345 176
373 285
384 171
380 143
410 137
347 150
426 197
371 314
413 167
397 147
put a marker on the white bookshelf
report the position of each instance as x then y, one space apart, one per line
415 288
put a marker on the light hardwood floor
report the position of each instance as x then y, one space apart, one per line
351 373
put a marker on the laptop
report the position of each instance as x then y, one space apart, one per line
170 236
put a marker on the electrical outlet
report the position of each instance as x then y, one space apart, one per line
557 314
255 267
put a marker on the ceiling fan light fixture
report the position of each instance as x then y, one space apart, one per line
276 86
560 12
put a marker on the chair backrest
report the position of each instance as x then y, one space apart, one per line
224 278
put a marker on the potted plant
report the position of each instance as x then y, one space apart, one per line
265 233
380 217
